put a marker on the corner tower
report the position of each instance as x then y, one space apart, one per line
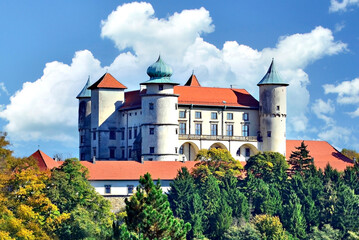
84 122
160 111
272 112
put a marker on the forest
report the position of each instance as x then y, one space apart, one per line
268 198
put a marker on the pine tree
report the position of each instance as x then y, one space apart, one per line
300 160
149 213
293 219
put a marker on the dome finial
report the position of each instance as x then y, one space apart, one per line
159 69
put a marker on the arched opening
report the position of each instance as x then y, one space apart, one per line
218 145
188 151
246 151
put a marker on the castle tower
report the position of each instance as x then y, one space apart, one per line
272 112
107 94
84 122
160 115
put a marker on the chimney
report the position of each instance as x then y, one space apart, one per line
93 159
183 158
142 159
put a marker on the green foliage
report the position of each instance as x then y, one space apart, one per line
350 153
148 213
269 227
90 213
216 162
245 231
293 218
326 233
270 166
300 160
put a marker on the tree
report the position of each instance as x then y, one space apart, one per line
300 160
149 213
270 166
350 153
186 202
293 218
269 227
244 231
71 191
216 162
326 233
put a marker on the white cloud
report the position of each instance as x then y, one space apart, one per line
342 5
336 135
47 107
355 113
348 91
339 26
3 88
321 109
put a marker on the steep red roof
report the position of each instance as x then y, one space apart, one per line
107 81
192 81
204 96
323 153
44 161
215 96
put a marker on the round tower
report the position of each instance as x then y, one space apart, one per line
84 122
160 111
272 112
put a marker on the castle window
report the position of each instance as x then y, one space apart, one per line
160 87
152 149
123 153
152 131
269 134
135 132
176 149
198 129
112 135
182 128
229 116
182 114
245 117
94 135
198 115
245 130
181 150
82 139
213 115
112 152
214 129
229 130
129 133
248 152
176 106
130 114
278 108
107 189
130 189
151 106
129 152
176 131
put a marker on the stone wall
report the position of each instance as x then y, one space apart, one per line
117 203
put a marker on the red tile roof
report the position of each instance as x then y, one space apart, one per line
323 153
44 161
203 96
107 81
192 81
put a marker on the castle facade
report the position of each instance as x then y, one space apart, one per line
166 122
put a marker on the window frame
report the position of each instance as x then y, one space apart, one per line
229 116
107 189
214 115
182 128
245 116
229 130
214 129
245 130
198 115
182 114
198 129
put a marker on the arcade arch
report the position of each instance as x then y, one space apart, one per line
188 151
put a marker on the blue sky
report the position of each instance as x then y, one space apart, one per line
49 48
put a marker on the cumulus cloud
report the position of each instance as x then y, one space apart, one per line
47 108
3 88
336 135
321 109
342 5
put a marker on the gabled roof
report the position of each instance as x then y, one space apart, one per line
107 81
85 92
44 161
192 81
322 152
272 77
203 96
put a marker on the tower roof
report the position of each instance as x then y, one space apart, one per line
192 81
272 77
85 92
107 81
159 72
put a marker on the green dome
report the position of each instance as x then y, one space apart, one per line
159 70
160 73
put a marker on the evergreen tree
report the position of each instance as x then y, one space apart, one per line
293 219
326 233
149 213
351 177
220 221
186 202
245 231
300 160
269 227
71 191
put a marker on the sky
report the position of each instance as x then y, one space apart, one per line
48 49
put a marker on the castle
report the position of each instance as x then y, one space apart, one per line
166 122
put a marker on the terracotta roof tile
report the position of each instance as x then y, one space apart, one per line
107 81
44 161
192 81
132 99
323 153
